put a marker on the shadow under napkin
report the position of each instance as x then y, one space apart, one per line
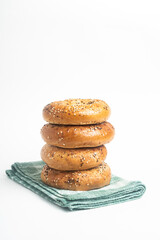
119 190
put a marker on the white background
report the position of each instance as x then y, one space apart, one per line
52 50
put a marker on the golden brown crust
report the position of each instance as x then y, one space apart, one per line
76 112
77 180
64 159
77 136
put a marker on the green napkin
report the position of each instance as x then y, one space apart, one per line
119 190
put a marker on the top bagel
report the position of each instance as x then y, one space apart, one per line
76 112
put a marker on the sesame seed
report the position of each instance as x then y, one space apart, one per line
60 139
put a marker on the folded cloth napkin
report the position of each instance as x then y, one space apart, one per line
119 190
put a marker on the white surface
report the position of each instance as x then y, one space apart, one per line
52 50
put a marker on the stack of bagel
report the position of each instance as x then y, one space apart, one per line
74 152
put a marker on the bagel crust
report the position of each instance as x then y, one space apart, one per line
64 159
76 112
77 180
77 136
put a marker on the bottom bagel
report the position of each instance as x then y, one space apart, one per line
77 180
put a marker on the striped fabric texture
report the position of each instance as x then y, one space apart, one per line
120 190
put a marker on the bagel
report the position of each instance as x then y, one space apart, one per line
64 159
77 180
76 112
77 136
